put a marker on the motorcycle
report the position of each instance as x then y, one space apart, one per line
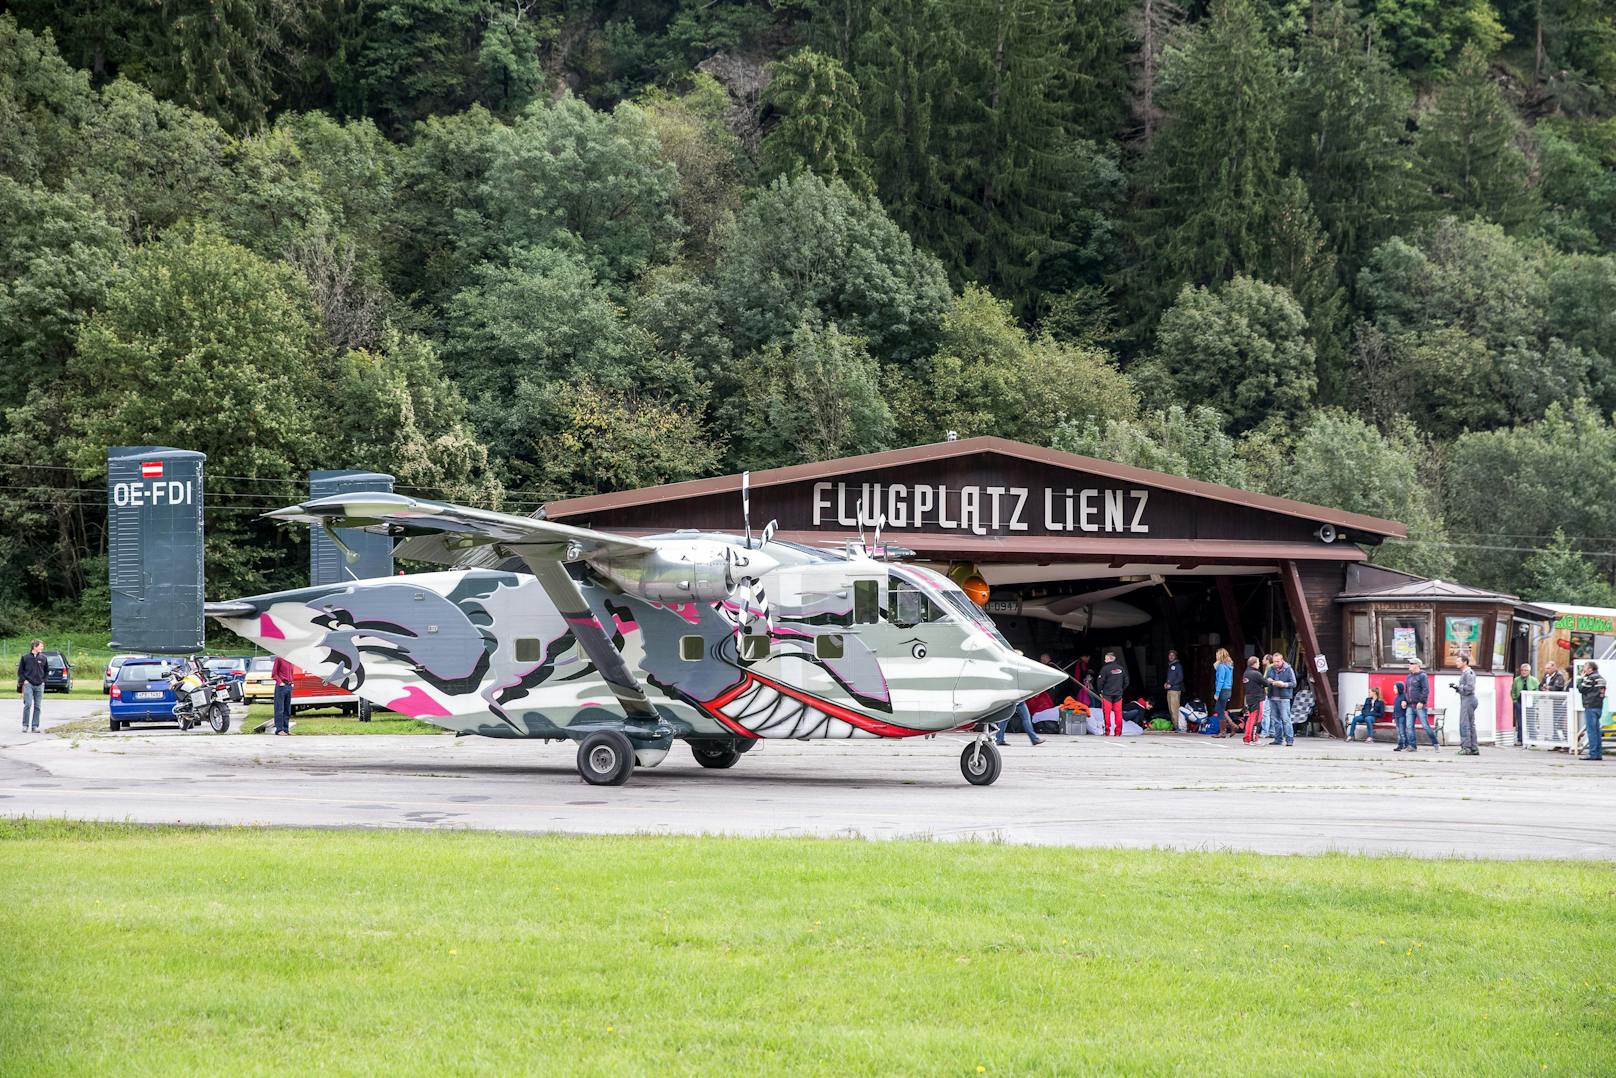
199 699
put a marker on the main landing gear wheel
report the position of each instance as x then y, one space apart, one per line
606 758
219 717
980 763
717 757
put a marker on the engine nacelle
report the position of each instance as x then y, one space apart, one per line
696 570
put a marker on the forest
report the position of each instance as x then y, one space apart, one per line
1361 254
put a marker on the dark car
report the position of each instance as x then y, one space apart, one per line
141 693
58 674
110 674
233 667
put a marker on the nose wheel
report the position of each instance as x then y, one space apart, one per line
980 762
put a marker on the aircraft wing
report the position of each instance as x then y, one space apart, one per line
441 532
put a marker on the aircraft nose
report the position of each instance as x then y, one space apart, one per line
1034 677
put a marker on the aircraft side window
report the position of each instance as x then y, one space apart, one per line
755 646
529 650
829 646
692 648
910 607
866 602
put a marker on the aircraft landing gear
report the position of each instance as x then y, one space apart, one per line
980 761
714 754
606 758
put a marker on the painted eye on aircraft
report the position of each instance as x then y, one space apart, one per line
917 648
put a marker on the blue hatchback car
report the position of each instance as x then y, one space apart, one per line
141 693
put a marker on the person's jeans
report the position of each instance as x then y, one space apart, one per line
1405 728
1283 730
1590 724
283 708
1026 724
1420 716
1364 719
1467 723
33 700
1220 714
1518 734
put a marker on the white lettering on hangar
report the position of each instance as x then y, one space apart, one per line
981 510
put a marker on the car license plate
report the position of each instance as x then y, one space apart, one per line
148 696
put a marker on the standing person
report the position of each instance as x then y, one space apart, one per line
1222 689
1553 679
31 683
282 673
1281 683
1523 683
1593 688
1417 688
1175 690
1400 715
1113 685
1252 681
1373 710
1466 688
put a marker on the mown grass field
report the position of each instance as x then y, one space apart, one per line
143 950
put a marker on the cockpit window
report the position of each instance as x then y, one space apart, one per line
908 606
972 613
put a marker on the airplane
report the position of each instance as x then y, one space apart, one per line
626 644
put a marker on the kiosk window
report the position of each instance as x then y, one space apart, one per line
754 646
1404 637
1363 641
691 648
866 602
828 646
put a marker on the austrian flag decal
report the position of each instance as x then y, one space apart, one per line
151 469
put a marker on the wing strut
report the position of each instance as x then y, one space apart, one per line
591 635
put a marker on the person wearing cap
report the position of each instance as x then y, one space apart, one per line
1592 687
1113 685
1417 691
1465 686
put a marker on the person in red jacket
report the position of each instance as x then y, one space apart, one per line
1113 685
282 673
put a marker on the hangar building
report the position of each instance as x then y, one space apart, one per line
1080 554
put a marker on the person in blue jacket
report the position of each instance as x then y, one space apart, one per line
1281 684
1403 718
1222 689
1373 710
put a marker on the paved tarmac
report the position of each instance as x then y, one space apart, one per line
1181 792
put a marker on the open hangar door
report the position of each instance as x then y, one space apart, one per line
1076 612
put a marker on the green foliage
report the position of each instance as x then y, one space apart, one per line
815 396
1578 187
43 101
592 182
1428 33
1242 349
819 124
1559 573
808 248
1191 442
989 377
1511 489
1465 314
708 157
1468 148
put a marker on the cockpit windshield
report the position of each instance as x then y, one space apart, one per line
944 598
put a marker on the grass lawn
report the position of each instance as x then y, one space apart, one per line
149 950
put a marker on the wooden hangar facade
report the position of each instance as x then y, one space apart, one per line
1080 554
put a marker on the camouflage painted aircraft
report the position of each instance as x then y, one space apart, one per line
624 645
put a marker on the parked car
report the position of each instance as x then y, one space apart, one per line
58 674
257 685
231 666
110 674
141 693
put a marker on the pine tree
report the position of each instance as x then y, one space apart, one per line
1468 151
1213 172
819 125
1153 23
1346 135
1096 51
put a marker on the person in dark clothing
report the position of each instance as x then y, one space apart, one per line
1113 684
282 673
1174 686
1373 710
1554 680
1465 686
1404 721
31 683
1252 681
1281 684
1417 690
1592 688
